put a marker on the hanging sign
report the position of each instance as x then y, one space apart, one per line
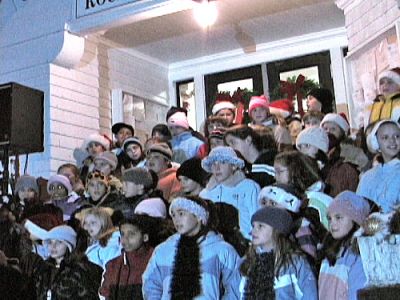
87 7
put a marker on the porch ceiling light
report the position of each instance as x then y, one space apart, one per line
205 13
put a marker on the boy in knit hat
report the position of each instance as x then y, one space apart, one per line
192 176
159 157
312 141
184 144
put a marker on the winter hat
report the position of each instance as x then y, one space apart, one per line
283 108
132 140
324 96
221 154
351 205
178 119
62 233
99 176
63 180
138 176
194 205
320 202
117 127
276 217
161 148
108 157
393 74
282 194
173 110
314 136
338 120
191 168
258 101
223 105
98 138
26 181
153 207
372 140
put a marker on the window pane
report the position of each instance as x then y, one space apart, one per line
186 100
232 86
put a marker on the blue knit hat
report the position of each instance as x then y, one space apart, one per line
351 205
222 154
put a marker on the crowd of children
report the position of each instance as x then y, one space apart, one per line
245 211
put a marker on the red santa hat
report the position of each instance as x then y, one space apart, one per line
282 107
223 105
258 101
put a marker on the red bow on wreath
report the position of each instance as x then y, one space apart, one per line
292 89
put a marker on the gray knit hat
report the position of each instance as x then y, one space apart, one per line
222 154
277 218
132 140
108 157
161 148
314 136
138 176
26 181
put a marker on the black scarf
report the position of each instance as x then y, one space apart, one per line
186 275
260 282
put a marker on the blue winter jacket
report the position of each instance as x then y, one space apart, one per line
102 255
185 146
219 264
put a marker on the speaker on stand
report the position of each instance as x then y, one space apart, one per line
21 124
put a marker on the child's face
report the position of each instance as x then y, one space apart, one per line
222 171
387 86
95 149
333 129
268 202
215 142
156 162
26 194
308 150
261 235
311 122
92 225
339 225
238 144
227 114
132 189
131 237
259 115
57 191
96 189
102 166
294 129
122 135
133 151
281 174
389 141
176 130
57 249
313 104
188 185
69 173
185 222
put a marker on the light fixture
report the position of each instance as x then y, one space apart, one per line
205 13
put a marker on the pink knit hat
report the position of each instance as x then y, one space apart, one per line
258 101
63 180
178 119
351 205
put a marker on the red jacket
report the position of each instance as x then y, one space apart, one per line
123 275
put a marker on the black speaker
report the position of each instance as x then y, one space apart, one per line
21 118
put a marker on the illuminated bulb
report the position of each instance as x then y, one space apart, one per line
205 13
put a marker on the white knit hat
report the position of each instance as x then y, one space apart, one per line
63 180
153 207
98 138
338 120
282 195
178 119
391 74
314 136
372 140
223 105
